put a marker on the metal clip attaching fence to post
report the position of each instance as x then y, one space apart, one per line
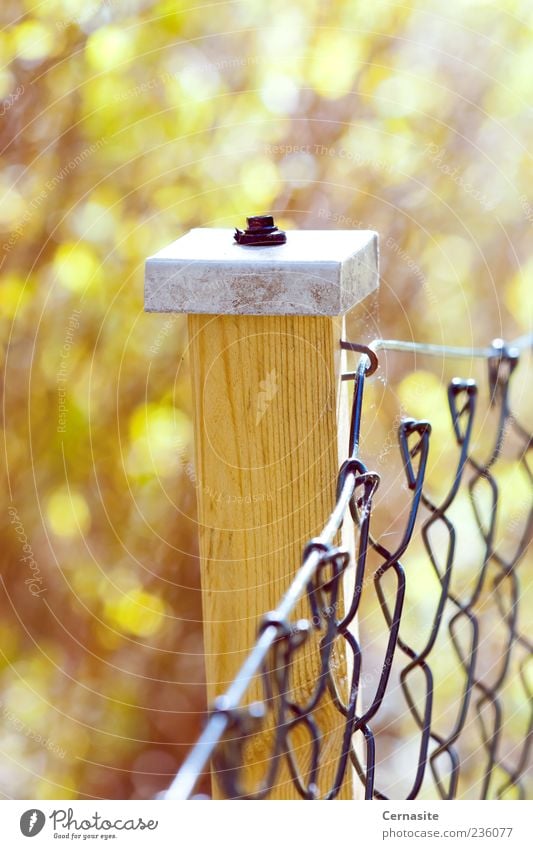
361 349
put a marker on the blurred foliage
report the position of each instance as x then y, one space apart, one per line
124 123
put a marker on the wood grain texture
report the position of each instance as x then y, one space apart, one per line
267 400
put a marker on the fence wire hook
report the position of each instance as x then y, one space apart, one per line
502 362
361 349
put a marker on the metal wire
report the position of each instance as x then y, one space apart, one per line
478 702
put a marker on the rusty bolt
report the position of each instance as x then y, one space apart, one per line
261 231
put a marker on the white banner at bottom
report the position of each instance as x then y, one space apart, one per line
266 825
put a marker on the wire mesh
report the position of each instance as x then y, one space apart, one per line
409 669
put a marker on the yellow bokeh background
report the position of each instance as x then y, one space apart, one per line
123 125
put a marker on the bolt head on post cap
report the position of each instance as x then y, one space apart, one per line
314 272
261 231
260 222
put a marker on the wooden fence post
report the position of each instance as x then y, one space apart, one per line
270 426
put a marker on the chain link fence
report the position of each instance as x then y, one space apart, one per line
457 682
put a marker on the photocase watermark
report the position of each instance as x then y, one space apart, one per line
268 389
527 209
413 267
391 440
403 255
65 820
348 221
50 185
343 220
318 619
90 11
142 88
231 63
220 497
163 334
437 156
518 522
17 723
35 581
95 826
63 371
10 100
323 150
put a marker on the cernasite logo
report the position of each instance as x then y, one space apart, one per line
32 822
